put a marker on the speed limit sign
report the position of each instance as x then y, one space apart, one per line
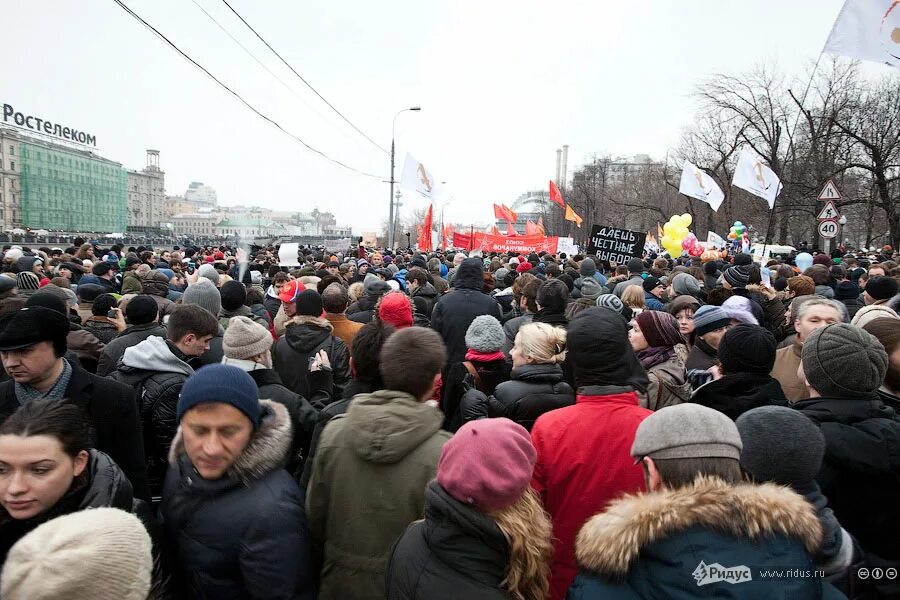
828 229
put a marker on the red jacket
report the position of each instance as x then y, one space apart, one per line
583 463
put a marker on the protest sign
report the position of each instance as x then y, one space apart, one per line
614 245
287 255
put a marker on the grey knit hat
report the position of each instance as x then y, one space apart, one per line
737 277
205 295
587 268
843 360
610 301
245 338
687 431
99 553
781 444
682 283
485 334
709 318
591 288
208 271
500 274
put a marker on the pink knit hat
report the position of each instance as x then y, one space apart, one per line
487 464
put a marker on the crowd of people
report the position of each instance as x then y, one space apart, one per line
203 423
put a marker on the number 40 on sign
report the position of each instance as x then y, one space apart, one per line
828 229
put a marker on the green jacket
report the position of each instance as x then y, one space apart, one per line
368 483
131 283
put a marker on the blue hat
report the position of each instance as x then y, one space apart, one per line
224 384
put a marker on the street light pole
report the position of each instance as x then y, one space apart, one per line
390 240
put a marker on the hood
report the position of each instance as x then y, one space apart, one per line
267 450
387 425
108 485
426 291
610 542
469 275
154 354
240 311
304 333
156 284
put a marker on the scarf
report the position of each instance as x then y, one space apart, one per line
475 355
550 318
26 393
655 355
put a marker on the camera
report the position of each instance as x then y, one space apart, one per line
112 313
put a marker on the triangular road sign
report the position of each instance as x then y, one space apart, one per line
829 192
829 211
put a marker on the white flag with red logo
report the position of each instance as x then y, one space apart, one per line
868 30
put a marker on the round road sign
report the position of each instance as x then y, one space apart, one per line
828 229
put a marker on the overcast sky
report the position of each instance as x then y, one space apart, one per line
502 85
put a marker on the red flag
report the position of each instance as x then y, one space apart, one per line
424 242
498 212
447 234
531 228
510 230
540 225
555 196
508 214
493 230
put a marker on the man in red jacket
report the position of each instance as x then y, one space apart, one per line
583 451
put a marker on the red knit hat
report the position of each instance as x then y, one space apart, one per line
396 311
525 266
822 259
219 255
487 464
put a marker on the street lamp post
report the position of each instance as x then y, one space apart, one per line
390 241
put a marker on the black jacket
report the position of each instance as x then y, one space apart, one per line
455 311
429 294
492 374
735 394
531 391
303 338
853 305
860 475
132 336
363 310
113 413
456 552
241 536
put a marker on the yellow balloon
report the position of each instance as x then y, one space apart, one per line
687 219
668 227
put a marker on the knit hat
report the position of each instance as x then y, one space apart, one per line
375 286
845 290
309 303
822 259
500 275
879 287
747 349
6 283
659 328
635 265
98 553
591 288
362 262
233 294
737 277
739 309
26 280
395 310
205 295
687 431
524 267
487 464
781 444
244 338
683 283
610 301
742 259
208 271
553 295
587 268
651 283
485 334
843 360
224 384
141 309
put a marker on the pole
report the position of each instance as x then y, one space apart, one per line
390 235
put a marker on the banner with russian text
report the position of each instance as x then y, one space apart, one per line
503 243
614 245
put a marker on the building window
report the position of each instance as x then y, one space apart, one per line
12 150
12 165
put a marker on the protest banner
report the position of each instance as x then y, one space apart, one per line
614 245
288 255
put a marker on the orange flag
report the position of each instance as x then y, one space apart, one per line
571 216
424 242
555 196
508 214
510 230
531 228
540 225
493 230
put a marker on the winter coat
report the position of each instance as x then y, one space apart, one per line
736 393
455 311
583 462
85 345
456 552
785 371
430 295
531 391
225 316
302 340
102 328
668 543
114 417
101 484
701 357
157 370
511 329
862 463
134 335
131 283
368 483
272 304
241 536
652 302
633 280
668 382
363 310
216 352
344 328
853 305
157 285
492 373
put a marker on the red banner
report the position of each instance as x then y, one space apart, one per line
504 243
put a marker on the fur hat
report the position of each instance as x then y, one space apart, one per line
485 334
98 553
205 295
843 360
244 338
687 431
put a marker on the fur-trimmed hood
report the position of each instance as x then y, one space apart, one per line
610 542
268 448
304 333
308 320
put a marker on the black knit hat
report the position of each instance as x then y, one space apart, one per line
141 310
846 290
747 349
651 283
737 277
309 303
233 295
882 287
87 292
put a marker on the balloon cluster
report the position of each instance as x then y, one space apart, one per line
674 233
737 230
691 245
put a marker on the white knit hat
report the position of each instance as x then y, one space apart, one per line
99 553
245 338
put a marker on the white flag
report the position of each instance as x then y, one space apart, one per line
754 175
697 184
715 240
869 30
416 177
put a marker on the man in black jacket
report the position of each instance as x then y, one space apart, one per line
141 313
454 312
32 347
158 368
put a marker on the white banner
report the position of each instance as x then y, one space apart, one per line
869 30
567 245
697 184
419 179
287 255
337 245
754 175
715 240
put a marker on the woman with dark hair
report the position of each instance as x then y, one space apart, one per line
662 350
